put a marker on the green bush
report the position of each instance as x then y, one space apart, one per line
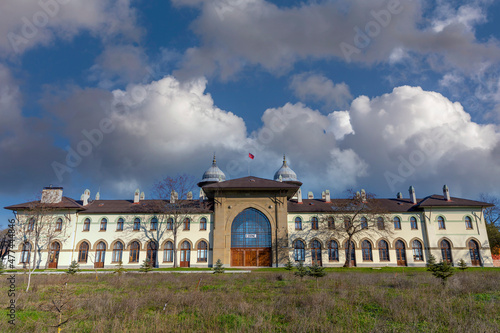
73 268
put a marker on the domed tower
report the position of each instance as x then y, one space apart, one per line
286 174
212 175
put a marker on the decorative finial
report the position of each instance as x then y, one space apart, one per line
214 162
284 160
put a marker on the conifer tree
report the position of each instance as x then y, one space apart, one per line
218 268
73 268
146 266
289 265
301 270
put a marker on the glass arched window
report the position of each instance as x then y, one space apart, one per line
203 223
117 252
170 224
100 254
299 250
353 252
446 251
83 252
137 224
347 223
418 253
366 249
441 222
152 251
474 253
168 252
134 252
316 253
298 223
26 253
468 222
202 251
380 223
185 254
364 223
59 224
413 223
400 253
31 224
383 250
104 224
314 223
331 223
333 251
119 224
154 224
187 223
251 228
397 222
86 225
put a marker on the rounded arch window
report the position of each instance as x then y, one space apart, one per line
299 250
298 223
383 249
366 248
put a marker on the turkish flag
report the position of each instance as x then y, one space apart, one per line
251 156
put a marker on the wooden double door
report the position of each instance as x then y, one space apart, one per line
256 257
55 248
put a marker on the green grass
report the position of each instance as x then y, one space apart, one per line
272 300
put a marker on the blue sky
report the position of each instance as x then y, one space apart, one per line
375 94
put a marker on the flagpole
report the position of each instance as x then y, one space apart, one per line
248 168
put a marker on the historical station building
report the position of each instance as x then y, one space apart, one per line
252 221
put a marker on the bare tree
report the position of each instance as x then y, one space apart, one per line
172 204
37 226
360 214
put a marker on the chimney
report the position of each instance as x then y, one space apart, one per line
51 194
399 195
136 196
85 197
190 195
412 195
310 195
173 196
98 196
327 196
143 196
323 195
363 195
299 196
446 193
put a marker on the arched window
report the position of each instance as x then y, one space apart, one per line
298 223
316 252
299 250
353 252
86 225
170 224
441 222
418 253
314 223
134 252
26 253
100 253
185 254
168 252
333 251
31 224
55 249
331 223
468 222
380 223
446 251
137 224
202 251
59 224
413 223
152 251
83 252
401 253
187 223
203 223
119 225
364 223
474 253
397 222
104 223
117 252
383 250
154 224
347 223
366 248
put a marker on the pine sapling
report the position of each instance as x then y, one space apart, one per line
301 270
73 268
289 265
462 265
316 271
218 268
146 266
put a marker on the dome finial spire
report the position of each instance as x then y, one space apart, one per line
214 162
284 159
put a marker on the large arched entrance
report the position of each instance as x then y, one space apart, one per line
251 239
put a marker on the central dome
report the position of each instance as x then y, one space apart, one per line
286 173
212 175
